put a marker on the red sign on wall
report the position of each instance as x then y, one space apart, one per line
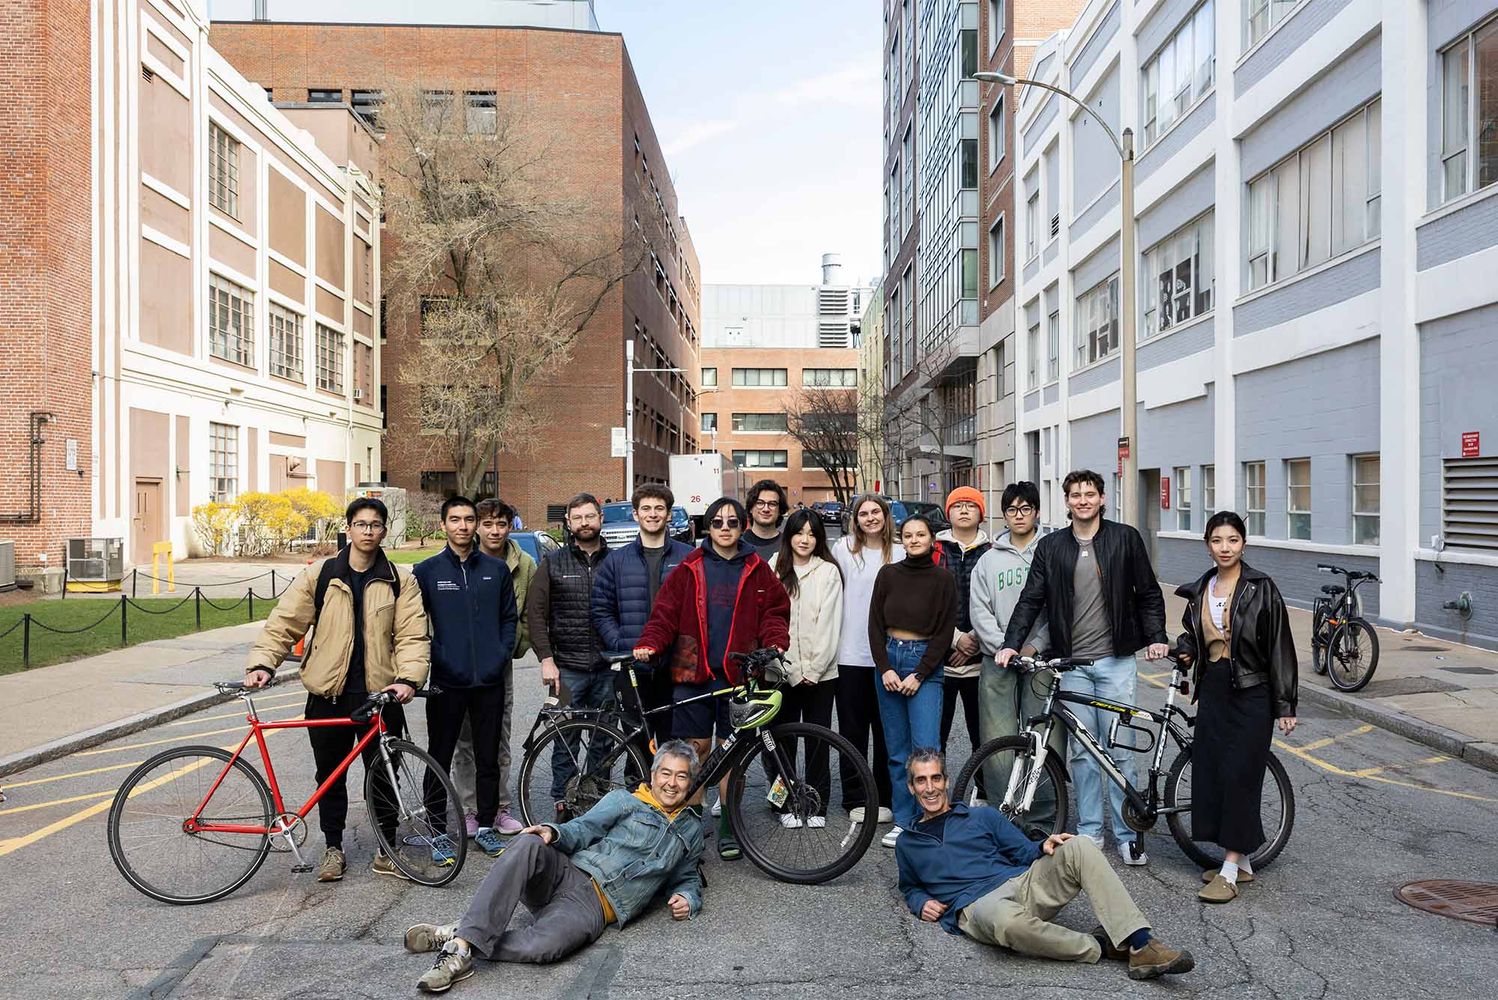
1165 493
1471 444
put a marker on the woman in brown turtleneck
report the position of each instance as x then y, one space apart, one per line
910 633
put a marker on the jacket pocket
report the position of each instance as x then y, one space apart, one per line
685 660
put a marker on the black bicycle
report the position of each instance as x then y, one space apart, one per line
1027 778
782 780
1343 645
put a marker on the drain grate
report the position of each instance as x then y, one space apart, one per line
1474 902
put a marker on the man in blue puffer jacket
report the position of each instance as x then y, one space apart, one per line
624 590
470 602
602 868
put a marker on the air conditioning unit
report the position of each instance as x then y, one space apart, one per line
95 564
358 395
7 565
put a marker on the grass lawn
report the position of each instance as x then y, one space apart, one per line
141 625
410 556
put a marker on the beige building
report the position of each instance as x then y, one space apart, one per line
871 394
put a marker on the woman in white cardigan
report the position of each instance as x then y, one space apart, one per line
815 584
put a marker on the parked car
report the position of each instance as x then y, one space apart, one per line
619 524
681 525
831 511
535 543
931 511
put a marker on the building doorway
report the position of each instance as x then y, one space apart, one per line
1149 509
149 521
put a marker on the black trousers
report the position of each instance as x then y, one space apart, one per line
965 688
330 744
812 703
484 708
1228 757
858 721
655 687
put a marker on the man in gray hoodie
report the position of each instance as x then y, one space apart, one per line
1006 696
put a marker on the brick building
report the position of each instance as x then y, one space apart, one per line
188 282
579 85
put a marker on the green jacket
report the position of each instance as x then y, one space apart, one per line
522 569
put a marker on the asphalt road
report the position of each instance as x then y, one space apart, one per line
1374 811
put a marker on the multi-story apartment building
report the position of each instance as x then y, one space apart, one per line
191 281
871 392
763 348
577 86
1317 224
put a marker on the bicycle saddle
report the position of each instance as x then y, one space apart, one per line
1332 588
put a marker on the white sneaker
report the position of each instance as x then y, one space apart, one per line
855 815
889 838
791 821
1132 854
886 814
816 822
717 809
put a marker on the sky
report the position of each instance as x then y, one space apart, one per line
768 112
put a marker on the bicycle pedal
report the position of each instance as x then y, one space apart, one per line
304 868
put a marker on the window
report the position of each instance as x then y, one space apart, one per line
1097 322
285 343
1178 277
1365 508
1318 202
223 171
762 459
1053 346
1298 498
1260 16
969 265
967 52
907 172
1182 498
1470 67
231 321
366 104
709 423
223 462
839 378
444 484
759 423
709 378
1032 220
325 96
996 252
1469 503
750 378
1209 490
437 107
996 25
1179 74
329 359
1253 497
1032 357
483 113
968 150
996 137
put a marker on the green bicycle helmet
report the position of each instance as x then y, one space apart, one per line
752 708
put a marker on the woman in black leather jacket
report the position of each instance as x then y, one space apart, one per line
1238 638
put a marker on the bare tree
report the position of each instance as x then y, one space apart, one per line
824 422
506 273
916 424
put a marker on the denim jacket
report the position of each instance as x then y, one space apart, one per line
634 850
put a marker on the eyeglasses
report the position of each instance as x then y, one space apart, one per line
369 526
1019 511
767 503
720 523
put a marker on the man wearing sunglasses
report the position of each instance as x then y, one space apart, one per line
727 588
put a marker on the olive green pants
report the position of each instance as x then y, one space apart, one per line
1006 698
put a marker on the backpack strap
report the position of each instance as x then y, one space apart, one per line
325 576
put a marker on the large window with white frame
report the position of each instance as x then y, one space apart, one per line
1183 497
1032 223
1318 202
1178 277
1365 499
760 423
1254 497
231 321
1209 490
1179 73
1298 499
329 359
1261 15
996 136
1469 111
1032 357
830 378
223 171
1053 346
1097 322
762 459
223 462
285 342
996 252
996 25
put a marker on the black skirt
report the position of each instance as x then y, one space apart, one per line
1228 756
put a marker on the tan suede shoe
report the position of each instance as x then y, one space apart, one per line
1219 890
1243 877
1155 960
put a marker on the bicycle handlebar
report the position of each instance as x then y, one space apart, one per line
1351 574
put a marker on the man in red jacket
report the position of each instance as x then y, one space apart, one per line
722 599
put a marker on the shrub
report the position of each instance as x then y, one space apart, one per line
213 523
319 510
268 522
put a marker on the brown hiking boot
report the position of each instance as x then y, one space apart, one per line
1112 952
1155 960
1219 890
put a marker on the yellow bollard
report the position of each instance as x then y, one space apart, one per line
162 550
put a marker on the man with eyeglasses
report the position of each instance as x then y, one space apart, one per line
767 506
370 635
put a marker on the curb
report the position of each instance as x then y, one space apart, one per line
1448 741
32 756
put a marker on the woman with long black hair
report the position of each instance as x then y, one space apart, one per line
1237 637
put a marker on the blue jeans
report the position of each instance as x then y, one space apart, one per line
909 720
589 689
1115 679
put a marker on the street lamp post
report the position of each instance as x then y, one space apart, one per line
1128 405
629 412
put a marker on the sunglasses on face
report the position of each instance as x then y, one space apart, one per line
720 523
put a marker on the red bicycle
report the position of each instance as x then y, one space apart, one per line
195 823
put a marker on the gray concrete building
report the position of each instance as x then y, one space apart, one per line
1316 219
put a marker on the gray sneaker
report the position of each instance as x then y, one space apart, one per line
452 966
428 937
334 864
382 865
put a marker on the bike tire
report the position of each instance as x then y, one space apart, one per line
801 853
1277 827
1352 655
614 765
183 778
1019 748
1320 608
415 842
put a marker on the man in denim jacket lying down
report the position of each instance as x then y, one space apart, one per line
577 878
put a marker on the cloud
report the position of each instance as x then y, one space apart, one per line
698 132
857 83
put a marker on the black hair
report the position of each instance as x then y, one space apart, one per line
1023 490
785 563
1082 476
496 508
924 520
456 501
1224 517
652 491
582 500
769 484
366 503
718 504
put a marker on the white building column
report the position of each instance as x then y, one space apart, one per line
1229 238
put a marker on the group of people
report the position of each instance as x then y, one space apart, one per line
888 634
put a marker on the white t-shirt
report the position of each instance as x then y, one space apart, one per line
858 593
1216 605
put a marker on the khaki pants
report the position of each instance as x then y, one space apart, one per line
1017 914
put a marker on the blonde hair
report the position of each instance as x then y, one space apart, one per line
886 535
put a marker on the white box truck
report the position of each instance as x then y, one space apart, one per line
698 480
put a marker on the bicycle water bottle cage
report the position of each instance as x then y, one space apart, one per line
750 710
1123 722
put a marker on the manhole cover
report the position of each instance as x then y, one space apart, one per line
1412 648
1474 902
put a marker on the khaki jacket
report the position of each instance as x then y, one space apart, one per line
522 572
395 629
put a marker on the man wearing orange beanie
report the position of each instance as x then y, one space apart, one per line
962 545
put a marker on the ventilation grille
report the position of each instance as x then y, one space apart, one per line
1469 503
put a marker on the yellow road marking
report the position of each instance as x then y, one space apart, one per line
56 802
1329 740
74 774
239 714
169 739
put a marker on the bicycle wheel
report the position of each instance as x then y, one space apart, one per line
779 803
1276 812
1352 655
423 835
1049 810
1320 608
158 856
575 764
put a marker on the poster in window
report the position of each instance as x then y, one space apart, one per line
1167 300
1183 290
